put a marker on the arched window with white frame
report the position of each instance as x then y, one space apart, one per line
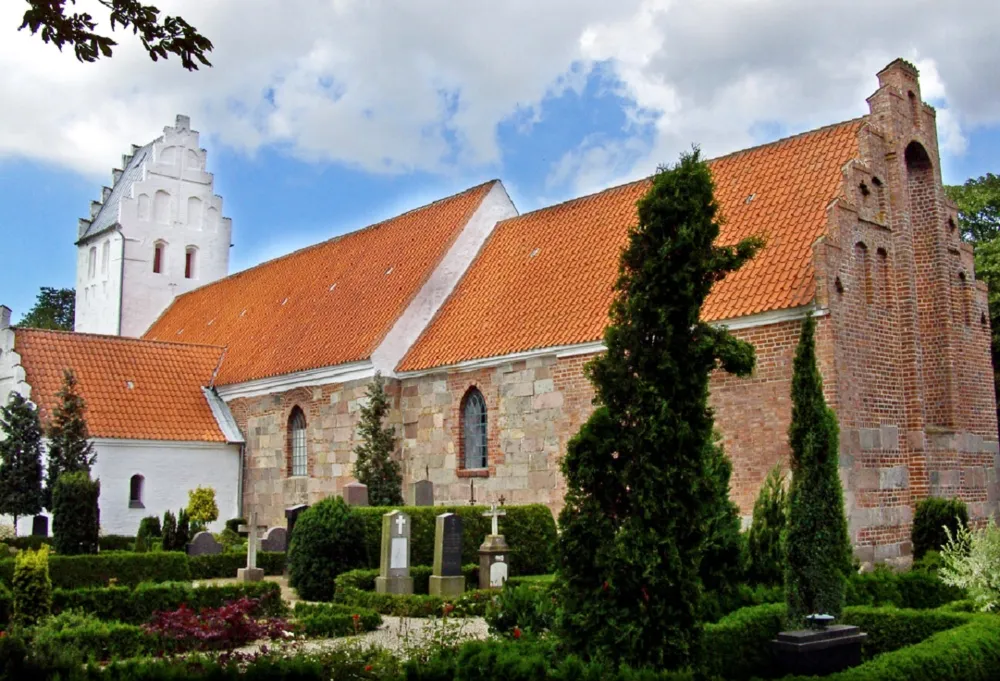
298 456
474 431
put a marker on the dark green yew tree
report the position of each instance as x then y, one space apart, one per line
70 449
818 548
20 459
770 513
76 516
642 474
375 466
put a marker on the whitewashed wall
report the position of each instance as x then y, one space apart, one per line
170 469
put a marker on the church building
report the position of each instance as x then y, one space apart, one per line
482 319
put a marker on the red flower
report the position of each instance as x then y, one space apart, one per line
368 667
605 586
355 617
517 632
645 594
448 607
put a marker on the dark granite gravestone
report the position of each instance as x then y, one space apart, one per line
356 494
818 652
204 544
275 540
40 526
447 578
291 515
423 493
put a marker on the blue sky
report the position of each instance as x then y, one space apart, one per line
311 133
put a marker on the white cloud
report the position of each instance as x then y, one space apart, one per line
394 87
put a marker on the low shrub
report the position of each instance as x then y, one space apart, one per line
150 528
739 645
6 605
364 579
327 540
76 520
890 629
530 531
525 609
127 567
715 604
136 606
329 620
972 562
930 518
231 626
913 589
469 604
32 586
225 565
233 525
72 638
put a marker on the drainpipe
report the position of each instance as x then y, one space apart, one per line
239 488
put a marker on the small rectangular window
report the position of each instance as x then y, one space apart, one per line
157 258
189 264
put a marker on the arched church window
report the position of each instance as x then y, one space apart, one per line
92 262
297 455
189 257
474 443
158 249
105 255
135 486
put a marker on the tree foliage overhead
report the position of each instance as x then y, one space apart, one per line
20 459
375 466
817 545
978 207
54 309
160 36
70 449
642 472
979 221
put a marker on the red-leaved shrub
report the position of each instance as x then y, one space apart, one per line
230 626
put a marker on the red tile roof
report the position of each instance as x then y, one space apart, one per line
324 305
133 389
545 278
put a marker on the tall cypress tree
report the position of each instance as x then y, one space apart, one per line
817 543
375 466
20 459
70 449
642 489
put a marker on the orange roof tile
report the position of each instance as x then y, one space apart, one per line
324 305
545 278
133 389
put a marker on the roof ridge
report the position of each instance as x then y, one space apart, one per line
332 239
119 339
646 178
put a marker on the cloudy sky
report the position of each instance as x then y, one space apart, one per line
324 116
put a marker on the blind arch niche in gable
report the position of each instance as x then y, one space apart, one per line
474 429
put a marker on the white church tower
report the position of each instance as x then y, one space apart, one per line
157 232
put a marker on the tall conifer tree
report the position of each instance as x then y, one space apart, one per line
642 474
817 543
375 466
20 459
70 449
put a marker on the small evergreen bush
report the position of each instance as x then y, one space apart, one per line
183 535
770 511
329 620
375 465
32 586
168 534
21 492
530 610
328 539
930 519
76 522
150 527
69 447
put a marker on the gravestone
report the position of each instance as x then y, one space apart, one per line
356 494
394 566
819 651
40 526
251 573
494 554
423 493
291 515
275 540
204 544
447 578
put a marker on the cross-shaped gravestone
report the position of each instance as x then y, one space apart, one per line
251 573
495 514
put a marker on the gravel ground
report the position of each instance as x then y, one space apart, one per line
398 634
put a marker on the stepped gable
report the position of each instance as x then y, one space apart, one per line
133 389
544 279
322 306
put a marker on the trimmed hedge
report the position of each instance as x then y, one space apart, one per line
739 645
469 604
110 542
890 629
913 589
364 579
530 531
329 620
131 569
136 606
